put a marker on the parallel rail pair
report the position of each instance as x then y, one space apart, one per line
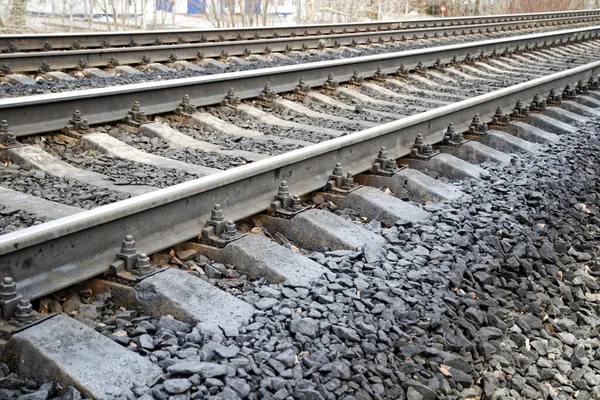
54 255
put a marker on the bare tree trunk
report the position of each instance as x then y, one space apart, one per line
17 15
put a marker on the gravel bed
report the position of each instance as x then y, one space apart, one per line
475 88
232 142
292 116
12 386
495 297
13 220
123 172
43 86
61 190
405 107
227 114
353 115
190 155
115 169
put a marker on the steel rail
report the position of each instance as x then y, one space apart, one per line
70 59
48 112
37 42
54 255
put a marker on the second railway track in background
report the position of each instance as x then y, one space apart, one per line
409 109
65 41
195 57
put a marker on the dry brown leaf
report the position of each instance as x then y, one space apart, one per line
473 295
550 329
444 369
364 219
198 269
256 229
303 354
560 275
427 202
132 344
172 253
295 249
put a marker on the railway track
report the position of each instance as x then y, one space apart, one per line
380 119
201 57
66 41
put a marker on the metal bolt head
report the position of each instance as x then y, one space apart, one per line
136 106
451 130
337 170
128 245
8 289
186 99
230 228
217 213
11 138
383 153
419 140
284 189
349 180
296 203
24 310
142 265
3 126
476 119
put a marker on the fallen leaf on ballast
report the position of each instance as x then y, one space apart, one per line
444 370
198 269
256 229
387 190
